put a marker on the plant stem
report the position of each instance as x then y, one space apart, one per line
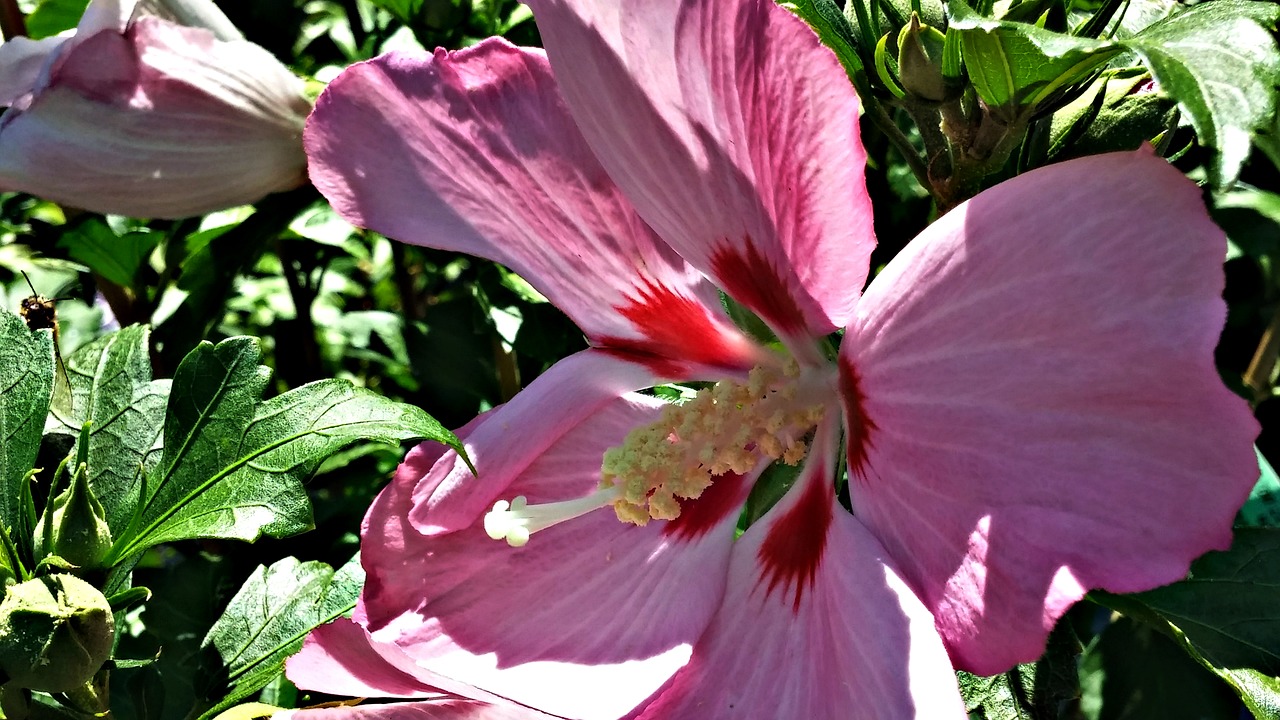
876 113
1258 375
12 22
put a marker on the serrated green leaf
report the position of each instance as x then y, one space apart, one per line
51 17
270 616
1221 64
111 387
115 257
1132 672
1014 65
833 28
1031 690
233 468
26 387
211 403
1225 615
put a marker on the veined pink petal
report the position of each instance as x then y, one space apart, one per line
161 121
449 497
341 659
587 619
841 635
428 710
474 151
734 132
1033 405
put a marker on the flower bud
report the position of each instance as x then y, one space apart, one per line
74 525
141 116
55 633
920 61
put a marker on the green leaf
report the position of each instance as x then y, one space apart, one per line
51 17
233 467
1131 672
1221 64
833 28
26 386
1015 65
1224 615
270 616
1030 690
406 11
111 387
1262 509
116 258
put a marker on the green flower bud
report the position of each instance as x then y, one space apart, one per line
920 61
55 633
74 525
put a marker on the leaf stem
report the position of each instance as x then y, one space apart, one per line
12 23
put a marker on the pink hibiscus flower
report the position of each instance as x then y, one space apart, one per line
1025 398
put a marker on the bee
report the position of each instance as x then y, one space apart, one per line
38 311
41 313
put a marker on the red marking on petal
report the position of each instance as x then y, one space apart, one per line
858 425
698 516
678 333
792 551
750 278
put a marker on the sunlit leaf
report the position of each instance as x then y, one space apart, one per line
26 386
270 616
111 387
1220 62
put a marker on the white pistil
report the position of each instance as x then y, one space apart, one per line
515 521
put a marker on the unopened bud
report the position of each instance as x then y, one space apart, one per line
56 632
74 525
920 61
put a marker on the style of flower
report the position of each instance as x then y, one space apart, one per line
1025 397
138 115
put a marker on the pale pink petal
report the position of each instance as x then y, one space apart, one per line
1032 402
21 62
734 132
587 619
450 497
111 15
815 624
428 710
163 121
474 151
193 13
341 659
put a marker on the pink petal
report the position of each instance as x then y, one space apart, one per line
429 710
474 151
1033 405
21 62
341 659
105 15
449 497
592 603
162 121
815 623
734 132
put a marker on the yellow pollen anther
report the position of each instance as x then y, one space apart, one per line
729 427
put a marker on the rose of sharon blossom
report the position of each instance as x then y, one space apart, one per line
138 115
1024 399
